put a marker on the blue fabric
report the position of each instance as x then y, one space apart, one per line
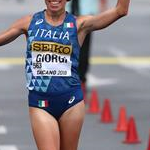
36 32
56 104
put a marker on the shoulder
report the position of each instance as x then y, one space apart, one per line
82 21
27 19
21 25
23 22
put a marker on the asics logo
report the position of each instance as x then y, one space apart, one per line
71 100
39 21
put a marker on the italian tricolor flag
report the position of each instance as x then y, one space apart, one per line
69 25
43 103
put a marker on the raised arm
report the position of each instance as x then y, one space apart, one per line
87 24
15 30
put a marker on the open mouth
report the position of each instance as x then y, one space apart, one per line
55 3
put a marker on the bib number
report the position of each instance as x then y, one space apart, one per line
49 64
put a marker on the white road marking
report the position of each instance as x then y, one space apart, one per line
3 130
5 67
93 81
8 147
142 69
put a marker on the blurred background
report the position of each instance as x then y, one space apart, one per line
119 70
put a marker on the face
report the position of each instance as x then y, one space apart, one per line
55 5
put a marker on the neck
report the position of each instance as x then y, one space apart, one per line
55 18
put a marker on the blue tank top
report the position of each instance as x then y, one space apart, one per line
52 55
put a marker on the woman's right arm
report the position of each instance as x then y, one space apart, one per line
15 30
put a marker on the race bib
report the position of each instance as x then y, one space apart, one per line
51 59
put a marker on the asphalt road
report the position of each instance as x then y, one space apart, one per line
119 70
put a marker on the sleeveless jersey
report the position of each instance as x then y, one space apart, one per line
52 55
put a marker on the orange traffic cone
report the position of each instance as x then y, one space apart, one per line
106 114
132 135
148 148
94 103
122 120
